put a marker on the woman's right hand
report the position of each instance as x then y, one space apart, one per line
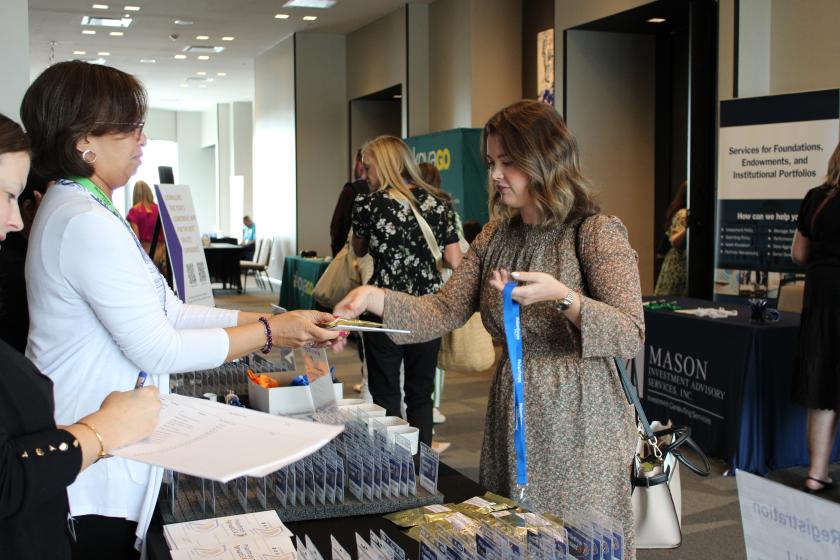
127 416
300 328
363 298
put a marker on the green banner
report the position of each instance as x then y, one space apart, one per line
457 155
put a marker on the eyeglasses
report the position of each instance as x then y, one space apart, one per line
136 127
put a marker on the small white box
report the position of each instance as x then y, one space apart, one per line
289 401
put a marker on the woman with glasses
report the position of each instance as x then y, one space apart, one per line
100 311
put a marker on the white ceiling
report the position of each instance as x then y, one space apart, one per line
250 22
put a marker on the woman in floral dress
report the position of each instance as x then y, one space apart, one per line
384 224
581 306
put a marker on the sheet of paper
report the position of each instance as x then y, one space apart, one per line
209 533
367 329
221 442
265 549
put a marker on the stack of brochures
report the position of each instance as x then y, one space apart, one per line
250 535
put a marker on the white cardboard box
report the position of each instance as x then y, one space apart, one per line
288 401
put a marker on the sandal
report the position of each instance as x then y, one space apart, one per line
826 485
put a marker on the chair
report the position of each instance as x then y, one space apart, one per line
259 265
791 294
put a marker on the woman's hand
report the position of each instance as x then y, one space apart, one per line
539 286
301 328
363 298
126 416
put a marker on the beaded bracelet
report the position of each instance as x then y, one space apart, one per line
269 341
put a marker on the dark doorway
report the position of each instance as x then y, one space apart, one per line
374 115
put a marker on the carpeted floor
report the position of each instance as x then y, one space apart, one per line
711 516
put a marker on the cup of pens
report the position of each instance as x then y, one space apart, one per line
758 308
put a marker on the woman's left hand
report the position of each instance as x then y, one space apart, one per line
538 286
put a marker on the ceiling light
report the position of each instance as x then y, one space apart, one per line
321 4
203 57
100 6
185 85
223 74
656 20
182 22
180 56
397 96
106 21
281 16
99 60
310 18
227 38
104 53
79 52
131 8
202 37
88 32
116 33
148 60
202 49
201 73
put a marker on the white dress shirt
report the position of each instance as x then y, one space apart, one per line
97 318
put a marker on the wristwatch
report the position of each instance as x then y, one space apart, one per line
565 303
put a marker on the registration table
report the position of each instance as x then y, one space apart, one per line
223 264
730 380
454 486
299 278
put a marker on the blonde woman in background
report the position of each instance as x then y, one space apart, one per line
143 217
384 225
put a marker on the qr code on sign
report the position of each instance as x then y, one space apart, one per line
191 274
202 272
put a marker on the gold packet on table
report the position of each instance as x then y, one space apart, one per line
351 323
418 516
454 522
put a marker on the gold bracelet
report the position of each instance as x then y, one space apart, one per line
101 454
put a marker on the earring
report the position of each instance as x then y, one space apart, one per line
86 154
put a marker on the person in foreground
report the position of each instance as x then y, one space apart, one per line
816 245
100 311
579 288
37 459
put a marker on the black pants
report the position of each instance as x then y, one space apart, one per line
383 363
99 537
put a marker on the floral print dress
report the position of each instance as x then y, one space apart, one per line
402 260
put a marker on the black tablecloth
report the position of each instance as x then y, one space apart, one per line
454 486
223 264
730 380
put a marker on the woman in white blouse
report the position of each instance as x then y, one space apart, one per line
100 311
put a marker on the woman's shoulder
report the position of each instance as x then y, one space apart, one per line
601 226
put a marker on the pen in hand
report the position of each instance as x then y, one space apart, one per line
141 379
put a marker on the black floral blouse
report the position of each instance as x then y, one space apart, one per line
402 260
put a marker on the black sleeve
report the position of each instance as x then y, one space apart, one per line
362 210
806 211
340 223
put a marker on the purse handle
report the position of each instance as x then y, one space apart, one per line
424 226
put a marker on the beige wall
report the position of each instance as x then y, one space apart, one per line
450 52
14 65
417 104
275 192
321 141
611 88
242 159
496 47
196 168
376 55
805 45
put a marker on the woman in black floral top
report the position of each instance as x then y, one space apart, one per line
384 225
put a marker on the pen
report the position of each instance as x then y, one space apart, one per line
141 379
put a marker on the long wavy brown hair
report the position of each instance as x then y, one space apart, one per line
538 143
832 176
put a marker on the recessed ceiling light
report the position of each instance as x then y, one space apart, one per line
104 53
310 18
656 20
107 21
203 57
202 86
116 33
180 56
131 8
228 38
88 32
182 22
148 60
79 52
100 6
281 16
221 74
202 37
201 73
321 4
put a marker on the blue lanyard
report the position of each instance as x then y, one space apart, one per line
513 335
